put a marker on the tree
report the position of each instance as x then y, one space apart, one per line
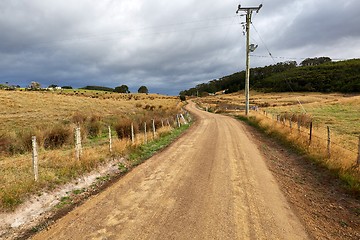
182 98
315 61
122 89
66 87
143 89
34 85
52 86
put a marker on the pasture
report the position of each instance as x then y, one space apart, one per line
52 118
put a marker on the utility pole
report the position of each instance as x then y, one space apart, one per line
249 48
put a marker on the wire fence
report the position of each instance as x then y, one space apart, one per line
132 137
307 131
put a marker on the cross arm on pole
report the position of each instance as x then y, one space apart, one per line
257 9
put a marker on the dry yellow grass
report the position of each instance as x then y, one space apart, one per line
340 112
44 111
19 110
340 161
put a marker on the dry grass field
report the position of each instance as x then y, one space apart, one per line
52 117
339 112
25 110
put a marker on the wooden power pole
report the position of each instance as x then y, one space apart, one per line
249 11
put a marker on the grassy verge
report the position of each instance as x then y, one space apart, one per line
339 163
145 151
57 167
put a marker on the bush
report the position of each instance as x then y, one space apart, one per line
94 126
123 128
24 143
182 98
79 118
7 144
57 136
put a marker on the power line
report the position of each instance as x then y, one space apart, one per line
287 82
159 29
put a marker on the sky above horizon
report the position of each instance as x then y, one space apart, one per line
167 46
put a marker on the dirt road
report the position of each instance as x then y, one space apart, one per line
210 184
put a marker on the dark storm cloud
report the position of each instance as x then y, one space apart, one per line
166 45
322 23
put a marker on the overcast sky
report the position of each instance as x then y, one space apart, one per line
165 45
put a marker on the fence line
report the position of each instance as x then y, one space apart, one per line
108 140
332 143
311 135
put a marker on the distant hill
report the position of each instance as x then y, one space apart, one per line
343 76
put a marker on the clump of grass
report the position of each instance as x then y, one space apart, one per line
7 145
123 128
79 118
57 136
24 142
94 126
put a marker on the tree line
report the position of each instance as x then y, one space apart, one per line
311 75
37 86
119 89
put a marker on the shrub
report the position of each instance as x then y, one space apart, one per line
24 143
94 126
7 144
182 98
79 118
57 136
123 128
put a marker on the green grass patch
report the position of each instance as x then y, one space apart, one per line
147 150
63 202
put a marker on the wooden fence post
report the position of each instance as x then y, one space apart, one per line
153 127
168 123
110 140
290 123
182 117
299 125
311 126
328 142
78 147
132 133
162 123
35 158
178 120
145 132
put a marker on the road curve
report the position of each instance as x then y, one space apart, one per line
212 183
